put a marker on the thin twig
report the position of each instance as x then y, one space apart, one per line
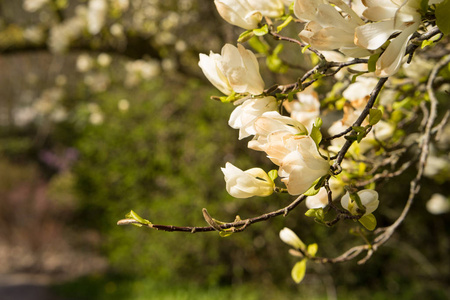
245 223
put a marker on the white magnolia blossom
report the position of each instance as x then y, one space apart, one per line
268 8
320 200
248 13
389 16
244 116
139 70
62 34
286 144
305 109
245 184
96 15
84 63
301 167
290 238
272 129
369 198
331 25
360 89
235 69
34 5
438 204
104 59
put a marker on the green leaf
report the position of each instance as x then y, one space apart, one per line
258 45
273 174
426 43
285 23
357 75
245 36
374 116
355 198
423 6
305 48
315 134
225 233
315 187
312 249
298 271
318 122
442 18
311 213
368 221
275 64
261 31
229 98
135 216
372 63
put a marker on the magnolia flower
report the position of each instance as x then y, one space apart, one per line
290 238
96 15
390 17
235 69
244 116
438 204
248 13
328 28
34 5
369 198
320 200
287 145
306 109
272 128
360 89
300 168
245 184
268 8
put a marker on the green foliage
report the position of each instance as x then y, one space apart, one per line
374 116
442 19
299 270
162 158
369 222
261 31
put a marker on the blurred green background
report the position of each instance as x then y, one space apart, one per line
97 119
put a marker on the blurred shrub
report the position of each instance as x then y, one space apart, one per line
160 156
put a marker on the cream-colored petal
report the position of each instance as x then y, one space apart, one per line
373 35
390 61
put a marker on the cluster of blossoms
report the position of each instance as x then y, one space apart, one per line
334 25
285 140
288 141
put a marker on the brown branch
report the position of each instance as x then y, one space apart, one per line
236 226
358 122
384 234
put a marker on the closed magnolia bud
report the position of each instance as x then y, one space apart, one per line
239 13
290 238
369 198
235 69
248 13
245 184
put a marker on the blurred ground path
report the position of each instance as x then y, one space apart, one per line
26 287
27 274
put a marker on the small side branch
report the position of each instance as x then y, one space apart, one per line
237 226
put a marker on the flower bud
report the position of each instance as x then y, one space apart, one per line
290 238
245 184
235 69
369 198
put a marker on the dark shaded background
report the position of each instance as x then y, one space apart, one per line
79 149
